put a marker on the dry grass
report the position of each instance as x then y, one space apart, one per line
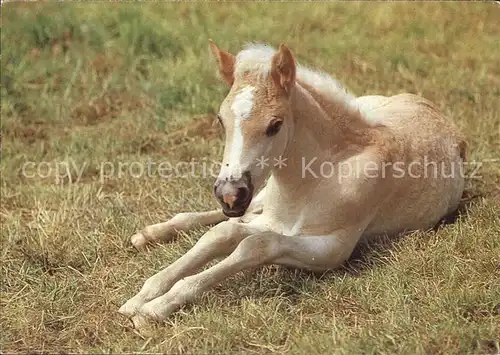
86 84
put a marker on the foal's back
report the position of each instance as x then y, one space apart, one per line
430 153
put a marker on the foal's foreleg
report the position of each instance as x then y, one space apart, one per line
182 222
219 241
163 232
316 253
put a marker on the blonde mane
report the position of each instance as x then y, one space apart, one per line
256 57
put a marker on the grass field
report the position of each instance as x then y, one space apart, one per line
93 94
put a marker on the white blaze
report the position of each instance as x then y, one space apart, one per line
243 103
242 109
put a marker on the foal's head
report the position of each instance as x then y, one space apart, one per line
257 118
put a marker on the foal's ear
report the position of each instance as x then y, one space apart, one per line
283 68
225 62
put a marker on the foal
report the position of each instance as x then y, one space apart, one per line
331 169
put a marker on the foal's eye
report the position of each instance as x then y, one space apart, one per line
274 127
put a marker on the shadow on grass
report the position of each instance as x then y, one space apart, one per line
466 201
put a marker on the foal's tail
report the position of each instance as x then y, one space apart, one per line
462 148
466 195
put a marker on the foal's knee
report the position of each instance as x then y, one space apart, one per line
224 236
259 248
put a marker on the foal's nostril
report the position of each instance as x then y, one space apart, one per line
242 194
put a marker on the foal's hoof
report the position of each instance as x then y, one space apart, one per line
145 322
139 241
141 321
131 307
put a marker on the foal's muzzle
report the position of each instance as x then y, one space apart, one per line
234 195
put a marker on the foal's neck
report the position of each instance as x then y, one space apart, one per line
324 130
332 119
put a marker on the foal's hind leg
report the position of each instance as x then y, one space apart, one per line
182 222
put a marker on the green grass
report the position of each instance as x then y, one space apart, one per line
84 84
